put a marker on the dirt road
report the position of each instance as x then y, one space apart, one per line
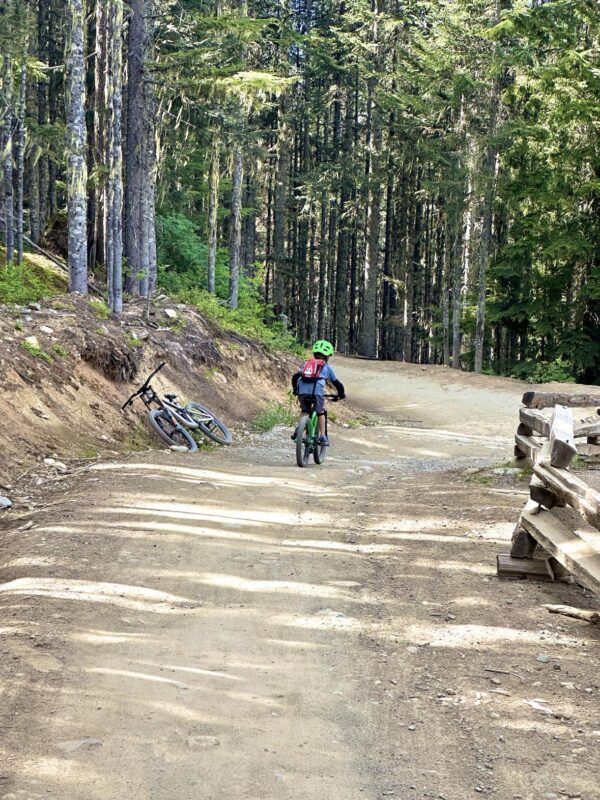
228 626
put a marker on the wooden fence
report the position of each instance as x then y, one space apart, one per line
562 515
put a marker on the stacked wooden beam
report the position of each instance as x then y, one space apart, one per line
553 486
534 423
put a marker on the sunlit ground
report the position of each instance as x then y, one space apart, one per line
203 632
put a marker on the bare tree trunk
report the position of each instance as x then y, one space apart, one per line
485 246
213 209
7 160
114 193
236 227
370 306
100 149
279 208
76 146
20 160
341 278
134 240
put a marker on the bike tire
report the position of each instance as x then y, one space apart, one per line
302 443
215 429
320 451
173 435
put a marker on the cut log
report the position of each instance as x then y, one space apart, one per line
523 544
586 614
571 490
527 447
541 494
524 430
549 399
569 549
535 421
562 438
588 429
509 567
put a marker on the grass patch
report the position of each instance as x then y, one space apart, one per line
88 452
34 280
60 351
140 438
37 352
19 325
250 319
133 341
272 415
99 308
480 478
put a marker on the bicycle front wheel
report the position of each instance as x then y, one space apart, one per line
209 424
171 433
303 442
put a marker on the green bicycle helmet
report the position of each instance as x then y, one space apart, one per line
323 347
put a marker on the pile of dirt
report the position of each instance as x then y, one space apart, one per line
66 368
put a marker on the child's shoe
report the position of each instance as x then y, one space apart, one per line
323 440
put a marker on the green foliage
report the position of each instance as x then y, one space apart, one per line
133 341
544 371
99 308
272 415
37 352
183 258
60 351
34 280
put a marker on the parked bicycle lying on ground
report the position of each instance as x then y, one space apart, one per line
172 421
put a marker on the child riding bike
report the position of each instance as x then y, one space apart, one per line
309 385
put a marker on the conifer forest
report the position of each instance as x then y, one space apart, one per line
415 180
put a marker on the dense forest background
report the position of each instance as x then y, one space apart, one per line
413 180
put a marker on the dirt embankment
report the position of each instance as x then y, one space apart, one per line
65 371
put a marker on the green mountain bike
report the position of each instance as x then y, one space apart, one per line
307 437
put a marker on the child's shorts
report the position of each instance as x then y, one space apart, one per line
310 401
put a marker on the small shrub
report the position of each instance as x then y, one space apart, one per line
19 325
60 350
99 308
133 341
272 415
37 352
558 370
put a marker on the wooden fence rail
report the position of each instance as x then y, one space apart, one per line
564 538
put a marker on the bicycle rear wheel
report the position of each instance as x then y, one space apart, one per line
172 434
303 444
320 450
209 424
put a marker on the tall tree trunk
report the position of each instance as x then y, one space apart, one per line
114 193
76 146
7 159
20 161
236 226
341 279
135 244
485 245
371 265
100 155
213 209
280 264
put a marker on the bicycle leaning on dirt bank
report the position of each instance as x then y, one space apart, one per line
307 437
172 421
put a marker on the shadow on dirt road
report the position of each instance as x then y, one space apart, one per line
231 626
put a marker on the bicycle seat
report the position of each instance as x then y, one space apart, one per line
171 397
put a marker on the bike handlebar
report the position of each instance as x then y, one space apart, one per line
143 387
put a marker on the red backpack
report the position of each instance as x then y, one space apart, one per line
311 371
